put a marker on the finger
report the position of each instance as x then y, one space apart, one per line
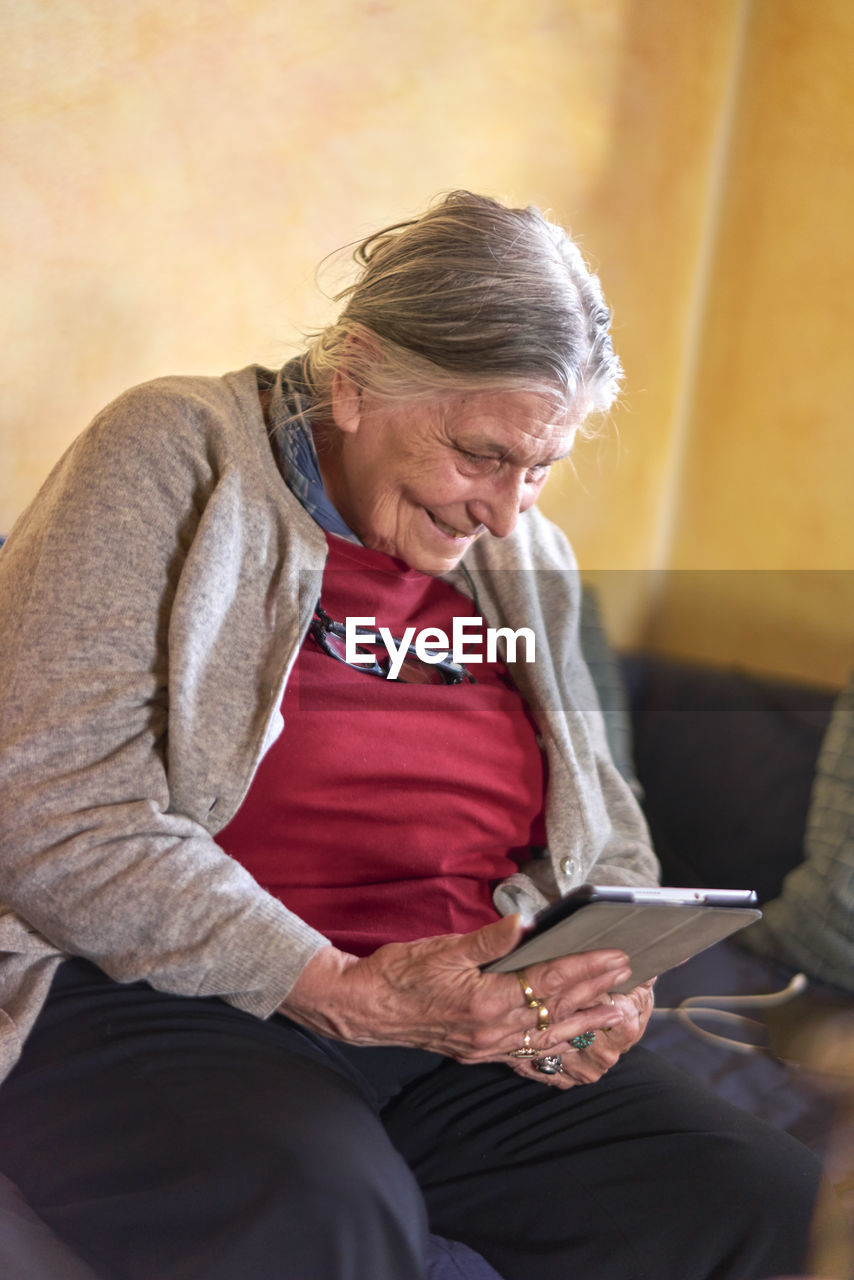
557 1019
563 1021
563 1011
570 970
581 979
590 997
577 1070
618 1037
582 1050
557 1040
562 1081
594 1019
643 992
491 942
601 1055
588 1075
554 1023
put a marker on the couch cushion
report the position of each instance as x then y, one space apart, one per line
811 924
726 761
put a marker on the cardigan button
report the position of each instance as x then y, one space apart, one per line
568 866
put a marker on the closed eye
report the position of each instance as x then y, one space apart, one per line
483 463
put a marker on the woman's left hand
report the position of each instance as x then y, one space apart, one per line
585 1066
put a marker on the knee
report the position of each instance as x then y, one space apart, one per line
301 1169
763 1172
342 1176
344 1204
762 1188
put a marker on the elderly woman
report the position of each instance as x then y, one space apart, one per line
250 881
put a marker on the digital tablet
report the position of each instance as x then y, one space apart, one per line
657 928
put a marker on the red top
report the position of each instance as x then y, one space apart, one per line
386 811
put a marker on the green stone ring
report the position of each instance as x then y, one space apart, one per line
584 1041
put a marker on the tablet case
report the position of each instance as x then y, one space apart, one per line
655 937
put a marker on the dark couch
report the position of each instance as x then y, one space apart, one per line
727 763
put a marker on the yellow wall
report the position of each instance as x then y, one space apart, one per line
766 487
173 173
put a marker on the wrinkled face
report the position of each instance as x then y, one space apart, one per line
421 480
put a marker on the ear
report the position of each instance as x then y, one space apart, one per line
346 403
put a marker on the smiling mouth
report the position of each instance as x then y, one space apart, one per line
448 529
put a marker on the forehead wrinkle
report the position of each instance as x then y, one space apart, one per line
512 428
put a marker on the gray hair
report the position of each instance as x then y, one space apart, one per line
470 296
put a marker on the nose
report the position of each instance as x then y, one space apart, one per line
500 508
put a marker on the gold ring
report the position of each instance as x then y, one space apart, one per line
526 990
533 1002
526 1051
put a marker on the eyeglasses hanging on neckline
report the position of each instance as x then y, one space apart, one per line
331 637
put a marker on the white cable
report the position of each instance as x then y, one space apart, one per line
717 1009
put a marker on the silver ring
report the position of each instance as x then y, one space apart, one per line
551 1064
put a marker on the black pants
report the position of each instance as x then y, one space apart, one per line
173 1139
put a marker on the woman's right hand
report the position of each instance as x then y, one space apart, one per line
432 994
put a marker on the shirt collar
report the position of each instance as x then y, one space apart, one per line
294 447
